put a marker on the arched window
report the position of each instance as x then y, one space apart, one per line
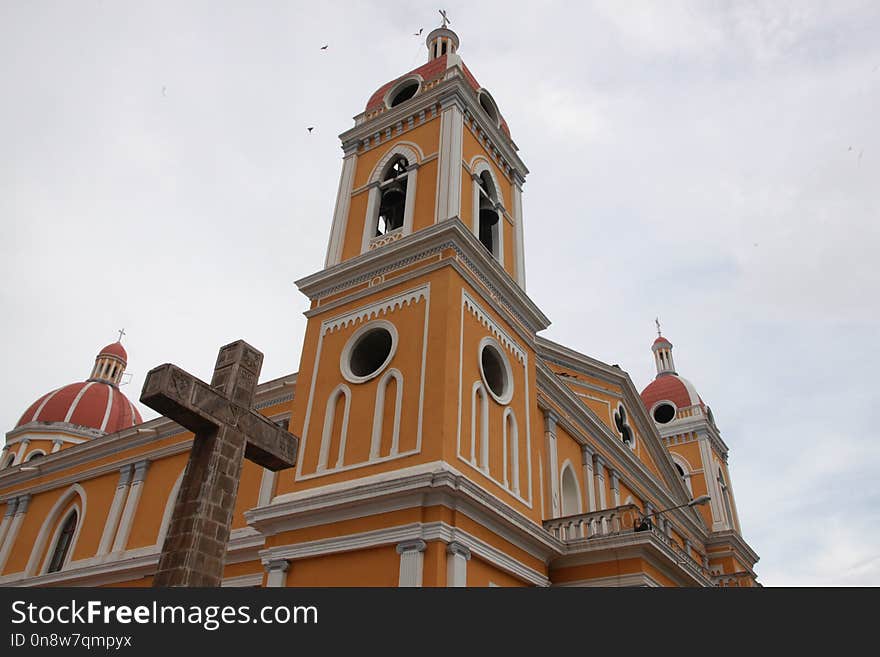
683 472
489 224
621 421
35 455
62 544
571 492
511 452
9 461
338 404
725 496
480 427
392 199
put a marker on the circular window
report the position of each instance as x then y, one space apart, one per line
664 413
403 92
495 371
368 351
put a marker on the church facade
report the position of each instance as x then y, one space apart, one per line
442 441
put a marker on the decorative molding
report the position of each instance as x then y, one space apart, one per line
408 298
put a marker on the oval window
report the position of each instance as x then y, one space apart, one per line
403 93
495 371
664 413
368 351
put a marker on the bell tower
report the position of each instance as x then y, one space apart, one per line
430 146
420 344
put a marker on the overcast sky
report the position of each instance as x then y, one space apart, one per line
713 163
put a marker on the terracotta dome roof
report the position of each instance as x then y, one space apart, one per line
91 404
115 349
671 387
429 71
661 339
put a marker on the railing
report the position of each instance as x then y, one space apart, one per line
387 238
607 522
617 521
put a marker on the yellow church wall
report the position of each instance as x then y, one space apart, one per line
470 417
482 574
434 565
509 247
158 483
426 136
606 569
467 524
378 566
426 196
471 148
409 322
569 450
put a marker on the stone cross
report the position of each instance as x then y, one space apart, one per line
227 430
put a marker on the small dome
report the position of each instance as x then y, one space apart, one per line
662 340
427 72
673 388
116 349
91 404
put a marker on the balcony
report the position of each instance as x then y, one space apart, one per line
614 529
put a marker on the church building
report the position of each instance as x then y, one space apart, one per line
441 440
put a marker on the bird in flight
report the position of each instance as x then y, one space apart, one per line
310 128
325 46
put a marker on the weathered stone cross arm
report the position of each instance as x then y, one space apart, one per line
197 406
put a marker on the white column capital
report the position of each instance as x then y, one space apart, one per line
456 548
417 545
276 573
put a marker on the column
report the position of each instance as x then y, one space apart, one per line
374 197
56 444
412 559
550 419
449 163
112 521
587 462
615 486
712 486
12 532
599 471
3 453
599 482
457 556
276 573
410 202
19 455
11 503
131 505
267 487
519 247
343 203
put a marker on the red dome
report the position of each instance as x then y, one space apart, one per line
91 404
116 349
671 387
429 71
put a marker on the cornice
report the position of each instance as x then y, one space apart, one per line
116 567
550 388
160 428
435 483
732 538
450 234
562 355
453 89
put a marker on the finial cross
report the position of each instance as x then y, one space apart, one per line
121 333
446 20
657 322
